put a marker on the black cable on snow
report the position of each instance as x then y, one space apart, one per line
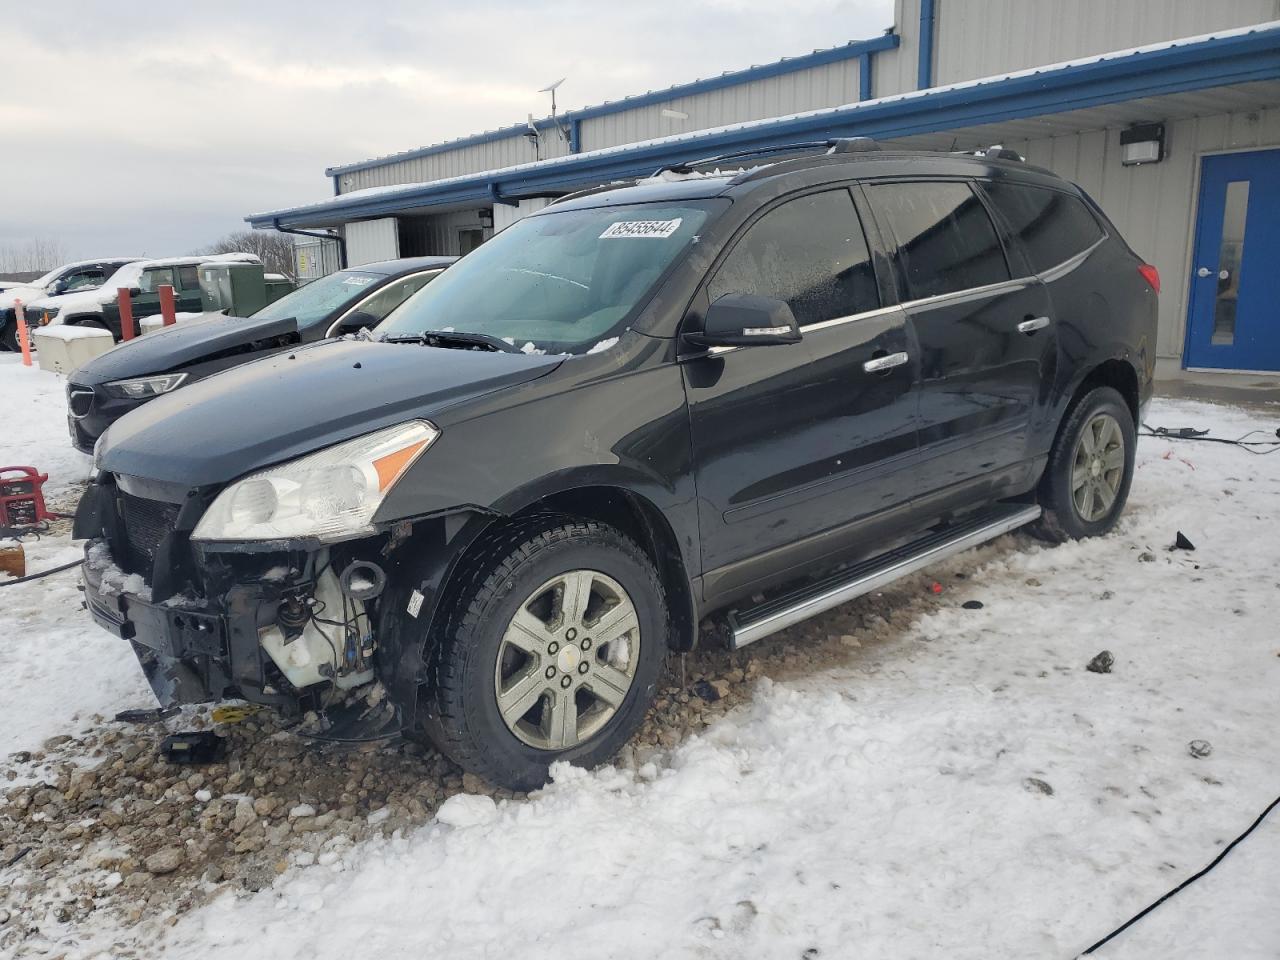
1185 883
42 573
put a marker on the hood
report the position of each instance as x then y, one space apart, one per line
26 294
289 404
170 347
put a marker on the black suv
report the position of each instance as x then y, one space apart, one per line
699 400
139 370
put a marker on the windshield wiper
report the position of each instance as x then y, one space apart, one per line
447 338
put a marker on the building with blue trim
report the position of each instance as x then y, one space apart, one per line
1141 103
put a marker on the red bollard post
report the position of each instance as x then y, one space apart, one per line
125 302
168 312
24 336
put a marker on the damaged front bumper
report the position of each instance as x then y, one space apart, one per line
192 651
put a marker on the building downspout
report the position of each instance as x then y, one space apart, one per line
928 19
341 241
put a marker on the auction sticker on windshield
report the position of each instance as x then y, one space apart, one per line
656 229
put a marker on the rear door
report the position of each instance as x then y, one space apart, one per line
985 334
795 445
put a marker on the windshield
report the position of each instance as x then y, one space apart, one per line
558 282
311 304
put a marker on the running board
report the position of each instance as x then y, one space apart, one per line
755 623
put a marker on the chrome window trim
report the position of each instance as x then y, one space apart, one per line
817 325
1066 266
354 308
966 292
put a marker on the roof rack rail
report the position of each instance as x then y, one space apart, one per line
994 152
832 146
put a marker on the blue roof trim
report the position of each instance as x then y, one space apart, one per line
1217 61
819 58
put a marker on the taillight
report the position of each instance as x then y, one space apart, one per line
1151 275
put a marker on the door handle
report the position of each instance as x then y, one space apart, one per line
885 363
1032 324
1203 272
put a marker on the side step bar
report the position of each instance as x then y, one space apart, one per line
755 623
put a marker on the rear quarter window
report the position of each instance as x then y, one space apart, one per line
946 241
1051 225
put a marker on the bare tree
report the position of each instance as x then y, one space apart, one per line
274 249
37 254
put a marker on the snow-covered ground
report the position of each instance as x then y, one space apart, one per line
953 783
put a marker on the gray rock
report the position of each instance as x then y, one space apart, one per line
165 861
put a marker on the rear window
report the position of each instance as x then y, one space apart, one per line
946 241
1053 226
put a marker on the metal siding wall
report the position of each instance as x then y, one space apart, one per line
505 215
314 259
1154 205
978 38
826 86
453 163
369 241
894 71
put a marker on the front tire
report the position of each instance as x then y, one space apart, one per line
1090 469
551 650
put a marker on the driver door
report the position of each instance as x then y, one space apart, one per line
798 447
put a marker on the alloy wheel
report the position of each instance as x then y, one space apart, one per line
1097 469
567 660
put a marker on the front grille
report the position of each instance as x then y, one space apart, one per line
80 400
146 523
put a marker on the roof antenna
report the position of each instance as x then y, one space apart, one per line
551 89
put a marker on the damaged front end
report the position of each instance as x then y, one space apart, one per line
272 588
282 625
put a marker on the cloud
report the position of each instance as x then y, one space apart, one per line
154 128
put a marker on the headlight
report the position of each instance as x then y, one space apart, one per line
144 388
331 494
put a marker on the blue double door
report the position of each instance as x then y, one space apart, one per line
1234 313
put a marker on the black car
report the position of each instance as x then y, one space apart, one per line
125 377
702 402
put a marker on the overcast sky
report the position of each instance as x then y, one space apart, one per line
153 128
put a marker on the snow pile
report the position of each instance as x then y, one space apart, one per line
34 432
114 580
76 332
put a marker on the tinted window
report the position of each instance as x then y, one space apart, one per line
946 241
153 280
315 301
809 252
188 277
1053 226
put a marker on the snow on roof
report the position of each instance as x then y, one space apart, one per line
848 109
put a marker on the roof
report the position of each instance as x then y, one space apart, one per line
848 51
1212 60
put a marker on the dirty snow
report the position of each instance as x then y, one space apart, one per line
954 783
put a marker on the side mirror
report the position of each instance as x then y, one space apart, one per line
746 320
353 323
59 288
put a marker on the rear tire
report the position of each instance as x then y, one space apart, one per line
550 650
1086 483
